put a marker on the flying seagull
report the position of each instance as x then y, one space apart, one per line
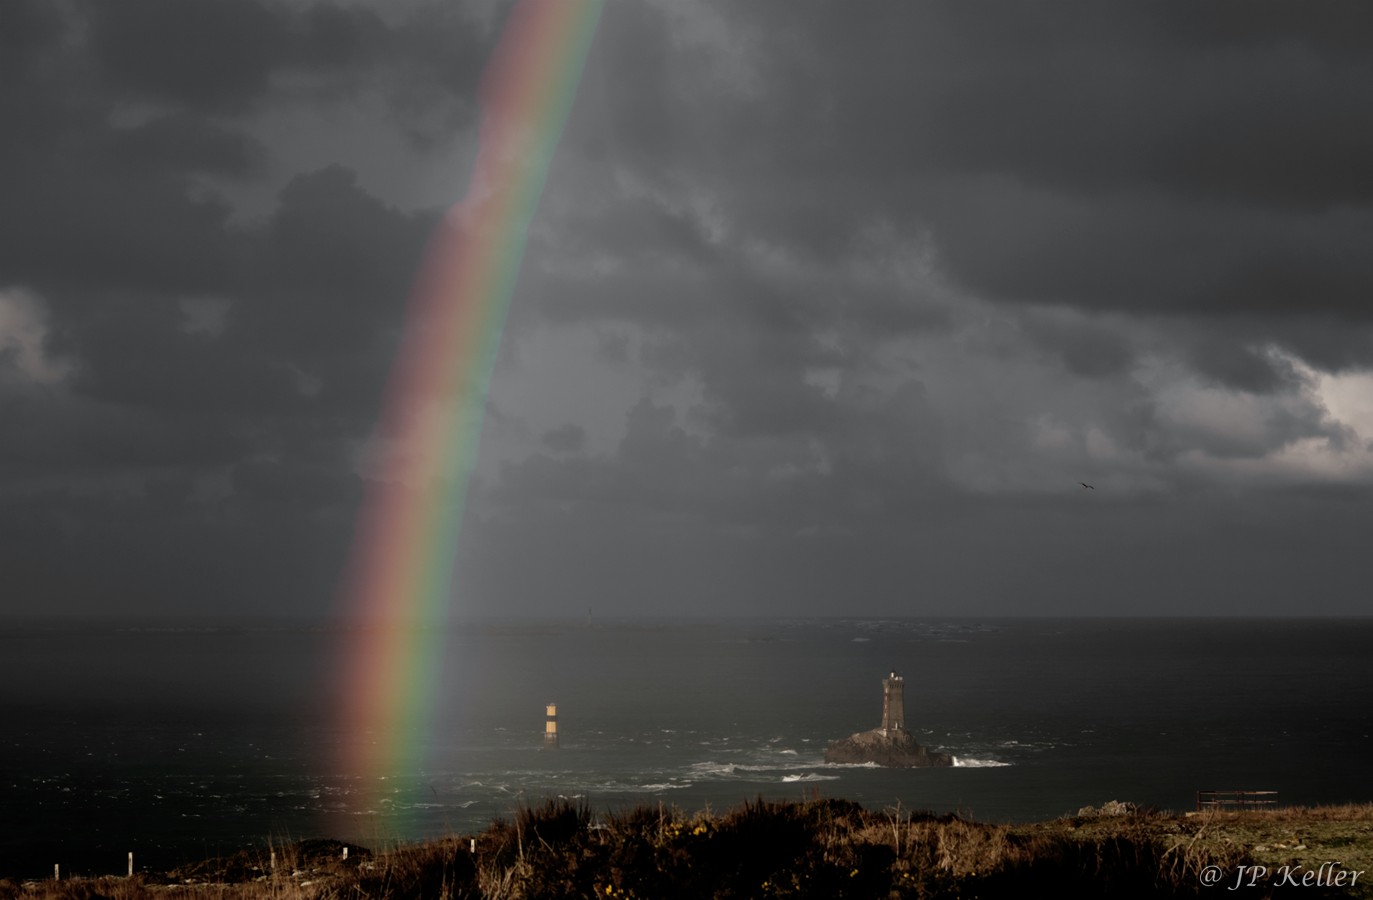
1086 485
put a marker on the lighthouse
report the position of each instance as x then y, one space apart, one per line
893 703
550 728
890 744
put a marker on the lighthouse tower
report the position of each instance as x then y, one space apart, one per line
893 704
550 728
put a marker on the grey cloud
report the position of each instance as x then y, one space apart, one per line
194 52
1106 157
567 438
182 142
117 553
1280 427
27 29
88 231
1147 255
874 292
879 462
1241 367
1327 342
224 454
336 264
1086 348
223 57
1095 97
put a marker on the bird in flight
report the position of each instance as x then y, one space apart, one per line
1086 485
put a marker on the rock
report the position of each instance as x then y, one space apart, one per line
1109 808
890 745
894 747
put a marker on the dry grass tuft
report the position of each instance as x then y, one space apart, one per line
820 848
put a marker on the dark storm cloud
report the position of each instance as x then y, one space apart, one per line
866 294
871 463
173 371
222 57
1238 366
1086 348
184 142
204 380
1167 216
107 222
1144 254
567 438
89 202
1106 156
104 554
26 28
93 199
1094 97
329 238
199 53
69 224
982 557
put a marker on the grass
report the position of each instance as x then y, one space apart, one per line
820 848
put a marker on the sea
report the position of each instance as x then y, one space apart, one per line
182 741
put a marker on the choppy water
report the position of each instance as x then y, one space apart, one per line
178 744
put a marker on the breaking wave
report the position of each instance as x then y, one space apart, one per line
963 762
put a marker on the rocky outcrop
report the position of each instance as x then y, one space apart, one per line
895 747
1110 808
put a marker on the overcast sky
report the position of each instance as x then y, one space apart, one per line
828 307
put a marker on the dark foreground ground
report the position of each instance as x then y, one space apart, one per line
820 848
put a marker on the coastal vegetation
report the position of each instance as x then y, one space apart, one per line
817 848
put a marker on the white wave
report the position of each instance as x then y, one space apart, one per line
743 770
809 776
965 763
768 767
616 787
712 768
791 752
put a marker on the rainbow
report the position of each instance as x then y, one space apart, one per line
397 583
